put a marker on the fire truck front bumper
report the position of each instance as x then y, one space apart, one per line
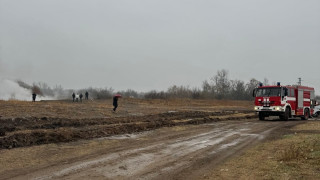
269 109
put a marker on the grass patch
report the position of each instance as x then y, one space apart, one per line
299 147
294 156
46 155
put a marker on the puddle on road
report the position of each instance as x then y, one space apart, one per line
126 168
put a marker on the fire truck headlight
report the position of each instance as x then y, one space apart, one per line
256 108
277 108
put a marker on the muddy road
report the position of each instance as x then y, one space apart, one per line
179 152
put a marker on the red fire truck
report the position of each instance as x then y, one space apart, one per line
284 101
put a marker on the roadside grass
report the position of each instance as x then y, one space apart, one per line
294 156
49 154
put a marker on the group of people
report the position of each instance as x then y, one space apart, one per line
76 98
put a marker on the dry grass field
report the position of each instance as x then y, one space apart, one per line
102 108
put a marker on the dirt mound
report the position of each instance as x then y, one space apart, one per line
20 132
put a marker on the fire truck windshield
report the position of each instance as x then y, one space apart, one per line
267 92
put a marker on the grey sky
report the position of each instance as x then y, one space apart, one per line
153 44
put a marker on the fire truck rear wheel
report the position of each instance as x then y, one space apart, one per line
305 115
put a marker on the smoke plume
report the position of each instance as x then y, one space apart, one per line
18 90
10 90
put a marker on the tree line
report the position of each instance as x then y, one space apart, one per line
220 86
217 87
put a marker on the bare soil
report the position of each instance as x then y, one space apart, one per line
26 124
20 132
145 139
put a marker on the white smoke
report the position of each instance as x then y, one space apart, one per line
10 90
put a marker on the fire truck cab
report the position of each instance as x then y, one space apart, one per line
284 101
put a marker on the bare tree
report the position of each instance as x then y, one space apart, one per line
221 84
155 95
238 90
129 93
250 86
179 92
207 90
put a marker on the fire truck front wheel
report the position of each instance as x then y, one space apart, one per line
286 114
261 116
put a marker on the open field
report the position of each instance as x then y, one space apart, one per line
145 139
27 123
102 108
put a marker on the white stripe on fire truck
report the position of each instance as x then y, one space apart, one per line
291 98
306 99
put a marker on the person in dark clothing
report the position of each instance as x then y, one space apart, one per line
34 95
115 103
73 97
80 96
87 95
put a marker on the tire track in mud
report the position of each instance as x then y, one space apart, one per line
169 155
21 132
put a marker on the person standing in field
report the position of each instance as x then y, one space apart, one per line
87 95
34 95
115 102
73 97
77 97
80 97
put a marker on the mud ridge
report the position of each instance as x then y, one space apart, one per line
21 132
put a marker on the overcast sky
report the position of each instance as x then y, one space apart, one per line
153 44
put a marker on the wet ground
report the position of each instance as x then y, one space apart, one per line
186 152
20 132
178 139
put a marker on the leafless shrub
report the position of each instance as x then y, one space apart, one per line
98 93
155 95
292 152
130 93
299 150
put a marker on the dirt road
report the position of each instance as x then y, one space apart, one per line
181 152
